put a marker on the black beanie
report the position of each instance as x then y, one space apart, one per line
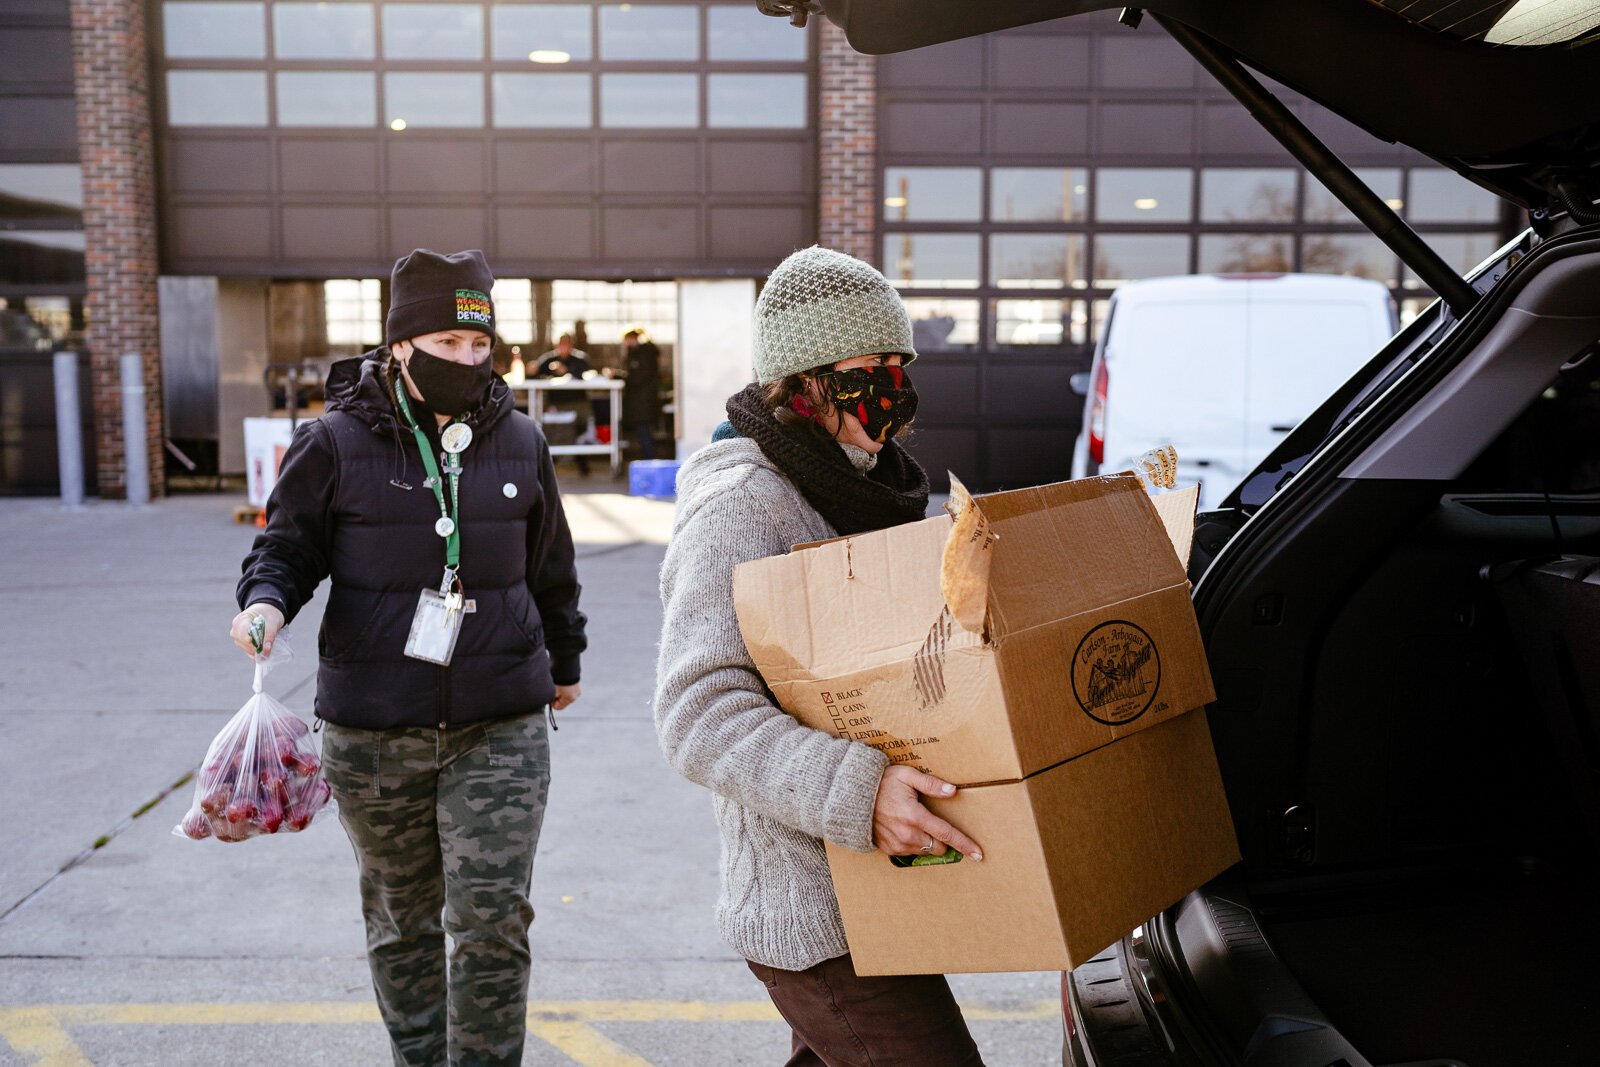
431 293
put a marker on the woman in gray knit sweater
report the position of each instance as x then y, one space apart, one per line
808 453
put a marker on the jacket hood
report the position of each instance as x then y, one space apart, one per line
356 385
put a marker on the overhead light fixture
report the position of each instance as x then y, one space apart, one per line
1146 203
397 125
894 201
1395 202
549 55
1080 189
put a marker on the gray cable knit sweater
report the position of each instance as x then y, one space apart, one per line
779 787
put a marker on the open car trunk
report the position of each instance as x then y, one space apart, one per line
1433 901
1499 89
1405 646
1433 892
1405 638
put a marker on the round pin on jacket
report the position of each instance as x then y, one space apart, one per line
510 490
445 526
456 437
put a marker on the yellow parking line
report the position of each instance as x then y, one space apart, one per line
241 1014
39 1031
656 1011
346 1012
583 1044
1042 1009
36 1033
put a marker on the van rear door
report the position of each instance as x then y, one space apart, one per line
1302 348
1176 373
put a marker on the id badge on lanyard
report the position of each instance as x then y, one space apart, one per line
436 626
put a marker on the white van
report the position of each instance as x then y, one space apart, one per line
1222 367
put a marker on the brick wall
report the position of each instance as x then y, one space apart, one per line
849 147
114 136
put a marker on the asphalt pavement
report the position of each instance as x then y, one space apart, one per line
121 944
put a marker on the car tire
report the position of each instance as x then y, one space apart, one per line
1110 1027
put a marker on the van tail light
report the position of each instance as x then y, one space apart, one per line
1097 415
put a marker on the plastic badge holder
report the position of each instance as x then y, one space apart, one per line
262 774
435 627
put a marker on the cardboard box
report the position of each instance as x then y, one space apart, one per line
1074 858
1040 624
1040 650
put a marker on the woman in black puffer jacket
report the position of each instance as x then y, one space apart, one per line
423 482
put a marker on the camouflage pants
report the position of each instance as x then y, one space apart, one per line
446 821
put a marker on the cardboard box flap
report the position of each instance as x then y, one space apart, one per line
1157 469
878 610
1048 552
1177 515
964 573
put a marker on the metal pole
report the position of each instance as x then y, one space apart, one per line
1341 181
136 461
69 430
292 389
616 430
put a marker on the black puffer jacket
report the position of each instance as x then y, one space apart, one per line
338 511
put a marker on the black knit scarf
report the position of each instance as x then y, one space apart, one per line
893 492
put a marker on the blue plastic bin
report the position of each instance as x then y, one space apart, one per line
653 478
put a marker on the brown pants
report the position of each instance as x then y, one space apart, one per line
842 1020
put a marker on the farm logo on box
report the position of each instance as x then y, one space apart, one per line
473 308
1116 673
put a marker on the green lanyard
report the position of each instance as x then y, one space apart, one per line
452 542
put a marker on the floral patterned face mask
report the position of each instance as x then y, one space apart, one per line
881 398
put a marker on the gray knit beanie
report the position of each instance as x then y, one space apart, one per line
821 306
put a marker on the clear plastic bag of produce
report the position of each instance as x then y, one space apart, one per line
262 774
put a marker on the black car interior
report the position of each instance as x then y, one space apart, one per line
1406 644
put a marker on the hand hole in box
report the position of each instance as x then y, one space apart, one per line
951 856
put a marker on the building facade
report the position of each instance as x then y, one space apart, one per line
609 157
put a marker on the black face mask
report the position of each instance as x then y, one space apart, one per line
447 387
881 398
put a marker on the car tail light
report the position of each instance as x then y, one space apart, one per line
1097 415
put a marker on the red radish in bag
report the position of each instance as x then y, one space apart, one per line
262 773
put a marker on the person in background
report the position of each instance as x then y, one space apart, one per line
808 453
433 694
641 389
561 360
